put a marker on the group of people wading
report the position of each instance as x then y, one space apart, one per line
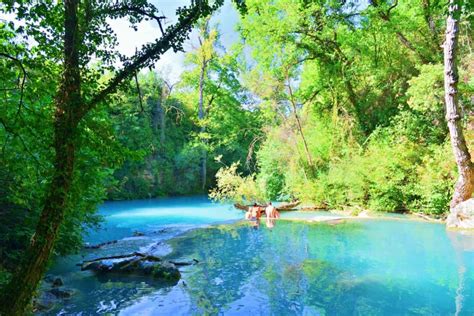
255 212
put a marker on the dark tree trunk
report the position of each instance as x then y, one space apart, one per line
299 125
465 183
159 117
159 131
70 109
429 19
21 288
162 117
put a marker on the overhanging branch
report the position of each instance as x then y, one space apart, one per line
173 38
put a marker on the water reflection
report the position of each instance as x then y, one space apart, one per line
300 269
255 212
292 268
270 222
462 243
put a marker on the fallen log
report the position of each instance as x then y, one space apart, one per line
134 254
241 207
184 263
427 218
288 206
283 207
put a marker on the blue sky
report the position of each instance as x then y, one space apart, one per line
171 64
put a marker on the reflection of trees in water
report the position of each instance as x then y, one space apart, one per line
107 293
228 256
462 242
302 268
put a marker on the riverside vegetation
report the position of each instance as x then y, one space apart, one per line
336 104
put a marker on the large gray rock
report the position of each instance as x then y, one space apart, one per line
462 216
137 264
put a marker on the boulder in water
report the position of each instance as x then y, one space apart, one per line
462 215
137 264
47 299
44 302
61 292
57 282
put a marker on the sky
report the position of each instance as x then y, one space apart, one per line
171 65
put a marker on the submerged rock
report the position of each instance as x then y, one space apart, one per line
51 294
137 264
462 215
44 302
62 292
97 246
57 282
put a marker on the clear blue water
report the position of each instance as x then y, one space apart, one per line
359 267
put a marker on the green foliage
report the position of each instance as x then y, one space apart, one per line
232 186
162 154
369 92
59 65
26 127
436 176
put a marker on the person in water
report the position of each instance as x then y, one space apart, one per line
255 212
248 214
255 223
253 215
271 211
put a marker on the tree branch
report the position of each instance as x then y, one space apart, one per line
173 37
402 39
23 80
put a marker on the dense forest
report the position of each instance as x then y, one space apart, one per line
353 102
337 104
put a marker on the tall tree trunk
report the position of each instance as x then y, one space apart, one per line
201 116
70 109
159 127
17 296
159 116
465 183
305 144
162 116
298 122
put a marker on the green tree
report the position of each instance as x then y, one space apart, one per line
85 33
465 183
226 125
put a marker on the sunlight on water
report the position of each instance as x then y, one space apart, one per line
361 267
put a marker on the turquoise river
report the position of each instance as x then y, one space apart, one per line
357 267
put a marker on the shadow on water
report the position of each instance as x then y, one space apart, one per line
108 294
